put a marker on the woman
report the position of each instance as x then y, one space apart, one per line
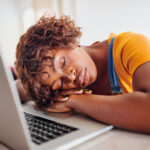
55 70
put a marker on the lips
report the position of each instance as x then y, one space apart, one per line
86 78
83 78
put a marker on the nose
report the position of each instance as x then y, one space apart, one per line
71 74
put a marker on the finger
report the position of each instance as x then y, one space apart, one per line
62 98
87 91
58 107
56 110
71 91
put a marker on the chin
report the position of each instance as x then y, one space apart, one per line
92 75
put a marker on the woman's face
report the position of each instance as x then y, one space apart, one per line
71 68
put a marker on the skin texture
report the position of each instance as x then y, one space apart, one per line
127 111
68 65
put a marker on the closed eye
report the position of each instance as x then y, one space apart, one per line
63 62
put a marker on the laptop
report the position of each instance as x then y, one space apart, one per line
24 128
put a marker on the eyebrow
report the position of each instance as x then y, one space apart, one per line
53 65
54 68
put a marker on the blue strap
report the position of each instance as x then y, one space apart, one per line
113 77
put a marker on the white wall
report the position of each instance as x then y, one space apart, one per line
10 27
98 18
15 17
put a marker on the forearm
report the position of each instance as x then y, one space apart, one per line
128 111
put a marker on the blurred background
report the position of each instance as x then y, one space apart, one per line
97 18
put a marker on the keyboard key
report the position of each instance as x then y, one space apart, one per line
36 142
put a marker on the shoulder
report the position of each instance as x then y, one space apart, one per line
134 49
128 36
132 38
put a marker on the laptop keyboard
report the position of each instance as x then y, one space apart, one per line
43 130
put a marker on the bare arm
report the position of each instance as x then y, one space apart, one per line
128 111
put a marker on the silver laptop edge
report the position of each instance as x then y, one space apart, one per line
10 132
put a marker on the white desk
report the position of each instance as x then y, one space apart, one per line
117 140
114 140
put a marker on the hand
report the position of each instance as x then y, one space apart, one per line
61 99
58 107
63 95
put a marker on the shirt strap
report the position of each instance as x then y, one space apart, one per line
113 77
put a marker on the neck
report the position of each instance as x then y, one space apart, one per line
99 54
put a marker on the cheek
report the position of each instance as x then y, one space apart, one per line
82 59
79 62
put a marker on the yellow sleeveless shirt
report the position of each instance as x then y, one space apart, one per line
130 50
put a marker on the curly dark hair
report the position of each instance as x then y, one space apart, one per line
46 35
